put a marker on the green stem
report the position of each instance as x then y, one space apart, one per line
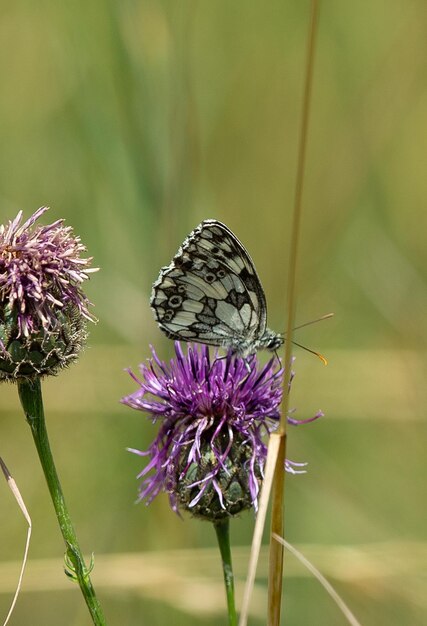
30 395
222 530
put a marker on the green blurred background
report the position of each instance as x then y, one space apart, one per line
135 120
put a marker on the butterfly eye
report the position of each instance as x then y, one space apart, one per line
210 277
220 274
168 316
175 301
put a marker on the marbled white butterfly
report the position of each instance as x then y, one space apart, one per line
211 293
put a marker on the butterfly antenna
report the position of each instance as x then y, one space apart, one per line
320 356
319 319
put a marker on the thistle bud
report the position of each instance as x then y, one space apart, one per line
230 493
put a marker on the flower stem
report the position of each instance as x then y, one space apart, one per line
222 530
30 395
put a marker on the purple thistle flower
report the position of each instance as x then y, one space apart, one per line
42 305
41 271
210 452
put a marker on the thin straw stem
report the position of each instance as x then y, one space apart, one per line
19 499
277 519
350 617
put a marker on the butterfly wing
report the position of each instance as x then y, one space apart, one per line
210 292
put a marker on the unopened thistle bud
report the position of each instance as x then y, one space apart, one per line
43 310
230 493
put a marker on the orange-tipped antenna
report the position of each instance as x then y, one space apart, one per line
319 319
321 357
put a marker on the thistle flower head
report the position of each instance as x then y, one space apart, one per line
42 306
210 450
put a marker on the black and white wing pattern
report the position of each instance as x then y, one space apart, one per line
211 293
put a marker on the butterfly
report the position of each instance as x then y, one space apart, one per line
211 293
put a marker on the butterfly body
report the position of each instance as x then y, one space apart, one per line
211 293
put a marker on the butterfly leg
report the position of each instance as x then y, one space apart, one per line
216 359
